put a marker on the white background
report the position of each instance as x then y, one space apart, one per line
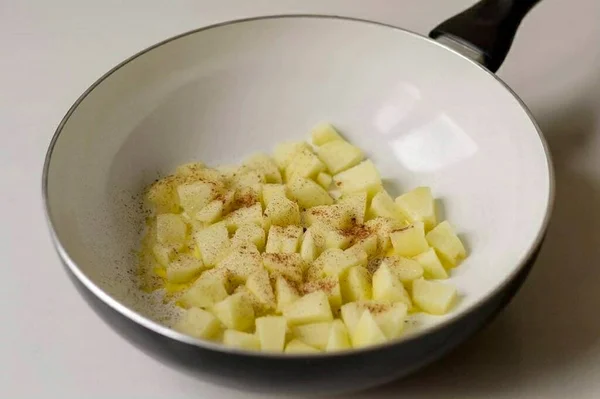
545 345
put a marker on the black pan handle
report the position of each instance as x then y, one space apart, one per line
487 28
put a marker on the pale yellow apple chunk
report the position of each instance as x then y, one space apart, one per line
419 206
382 205
391 321
241 262
284 152
184 269
362 177
288 265
433 297
195 196
271 331
249 233
405 269
324 133
296 346
211 242
308 193
282 212
338 339
241 340
285 293
367 332
409 241
205 292
387 287
356 285
446 243
311 308
235 312
314 334
170 229
432 266
259 284
339 155
198 323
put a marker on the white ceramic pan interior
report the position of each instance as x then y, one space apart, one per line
424 114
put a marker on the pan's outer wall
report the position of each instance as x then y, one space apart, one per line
321 374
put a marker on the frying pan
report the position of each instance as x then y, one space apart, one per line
428 111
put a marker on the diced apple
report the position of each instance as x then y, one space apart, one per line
241 262
204 293
356 285
324 180
419 206
432 267
324 133
249 233
271 191
336 216
382 205
248 178
266 165
405 269
356 203
362 177
285 293
183 269
162 195
447 244
311 308
190 169
433 297
170 229
309 249
287 265
282 212
350 315
195 196
211 242
338 339
330 286
271 332
383 227
164 254
387 287
367 332
335 262
198 323
314 334
391 320
308 193
259 284
235 312
284 152
296 346
369 243
284 239
304 164
241 340
339 155
211 213
409 241
239 217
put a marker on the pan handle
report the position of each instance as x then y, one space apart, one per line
485 31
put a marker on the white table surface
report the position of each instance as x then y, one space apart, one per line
545 345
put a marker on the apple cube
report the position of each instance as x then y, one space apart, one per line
266 165
387 287
356 285
324 180
296 346
211 242
309 249
356 203
271 332
284 239
350 315
164 254
330 286
162 195
432 267
447 244
259 284
271 191
335 216
183 269
368 244
335 262
284 152
249 233
287 265
308 193
362 177
198 323
405 269
324 133
282 212
241 340
383 205
235 312
195 196
239 217
170 229
311 308
285 293
339 155
338 339
409 241
391 320
433 297
314 334
211 213
241 262
367 332
418 205
304 164
204 293
383 227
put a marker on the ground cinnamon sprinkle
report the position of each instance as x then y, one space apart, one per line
374 264
246 200
375 308
326 285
